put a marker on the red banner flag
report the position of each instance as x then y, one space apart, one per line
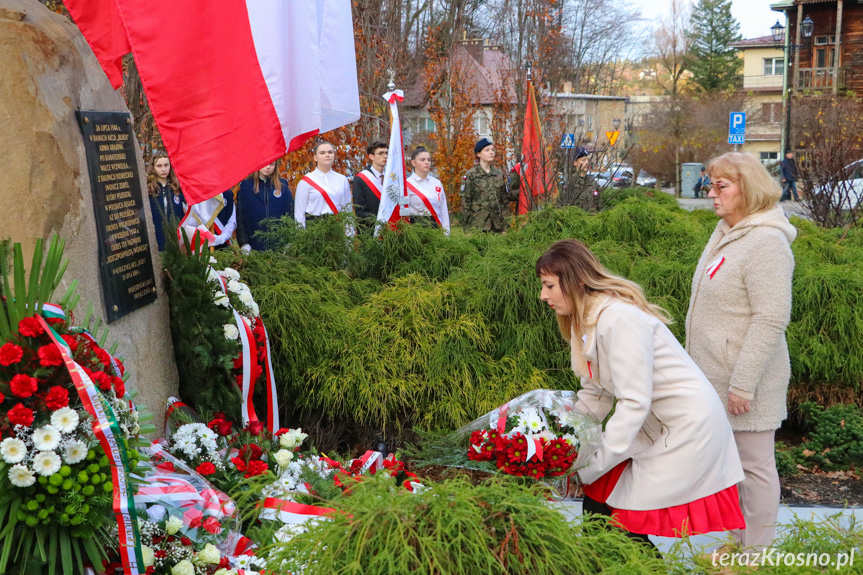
535 178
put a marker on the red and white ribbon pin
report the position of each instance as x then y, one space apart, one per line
714 267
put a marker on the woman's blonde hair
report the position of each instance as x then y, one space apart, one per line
759 191
152 181
580 276
277 181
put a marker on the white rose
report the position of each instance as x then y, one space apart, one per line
156 513
147 555
292 438
184 567
283 457
173 525
231 331
209 555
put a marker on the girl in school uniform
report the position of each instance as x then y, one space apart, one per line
426 196
323 192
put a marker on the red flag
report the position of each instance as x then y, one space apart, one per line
249 81
102 26
534 172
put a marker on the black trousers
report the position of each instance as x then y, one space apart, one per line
593 506
423 221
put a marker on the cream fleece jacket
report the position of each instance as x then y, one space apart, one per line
738 312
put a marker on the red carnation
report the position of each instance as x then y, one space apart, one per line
103 356
102 380
30 327
20 415
23 385
2 397
239 464
71 341
212 525
166 466
206 468
255 427
185 541
10 353
238 362
256 468
121 367
119 386
49 356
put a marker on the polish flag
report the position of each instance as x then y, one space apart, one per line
535 177
233 84
394 188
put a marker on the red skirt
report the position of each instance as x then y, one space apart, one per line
717 512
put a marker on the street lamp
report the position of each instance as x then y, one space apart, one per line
778 33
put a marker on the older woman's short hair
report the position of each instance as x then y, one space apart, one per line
759 190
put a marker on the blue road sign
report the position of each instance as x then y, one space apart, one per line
737 128
568 141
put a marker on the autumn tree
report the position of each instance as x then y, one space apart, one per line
715 63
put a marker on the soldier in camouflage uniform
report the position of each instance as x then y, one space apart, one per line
486 194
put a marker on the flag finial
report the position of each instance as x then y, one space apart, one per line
529 71
391 86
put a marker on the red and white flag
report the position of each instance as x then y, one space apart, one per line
234 84
394 187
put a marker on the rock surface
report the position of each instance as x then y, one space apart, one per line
47 72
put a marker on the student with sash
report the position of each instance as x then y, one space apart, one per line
323 192
262 196
368 184
166 199
426 196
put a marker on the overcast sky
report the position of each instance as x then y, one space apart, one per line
755 16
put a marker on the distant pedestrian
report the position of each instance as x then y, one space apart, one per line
486 194
701 183
789 177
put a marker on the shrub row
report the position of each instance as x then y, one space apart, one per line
418 328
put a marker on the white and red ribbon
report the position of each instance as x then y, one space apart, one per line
292 512
371 461
714 267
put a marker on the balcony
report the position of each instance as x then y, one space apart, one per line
763 82
820 78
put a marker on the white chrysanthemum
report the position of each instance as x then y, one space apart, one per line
533 423
247 299
65 419
47 463
13 450
75 452
46 438
231 331
222 300
570 439
230 273
213 260
20 476
213 276
255 310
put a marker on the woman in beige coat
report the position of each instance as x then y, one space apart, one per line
667 464
735 328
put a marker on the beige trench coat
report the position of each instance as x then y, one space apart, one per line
668 418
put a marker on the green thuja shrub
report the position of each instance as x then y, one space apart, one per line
203 354
455 528
836 439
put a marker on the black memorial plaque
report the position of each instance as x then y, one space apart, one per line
125 265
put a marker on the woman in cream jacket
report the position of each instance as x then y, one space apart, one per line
735 328
667 464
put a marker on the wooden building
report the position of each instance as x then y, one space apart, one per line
830 60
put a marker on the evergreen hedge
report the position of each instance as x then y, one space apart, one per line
419 328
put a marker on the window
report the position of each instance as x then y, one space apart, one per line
771 113
480 122
773 66
768 157
822 40
824 58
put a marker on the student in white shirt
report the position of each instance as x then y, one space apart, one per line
426 196
322 192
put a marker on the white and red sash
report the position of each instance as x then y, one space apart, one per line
323 192
425 200
371 183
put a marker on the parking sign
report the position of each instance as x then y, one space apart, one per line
737 128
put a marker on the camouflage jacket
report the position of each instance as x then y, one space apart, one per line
485 200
